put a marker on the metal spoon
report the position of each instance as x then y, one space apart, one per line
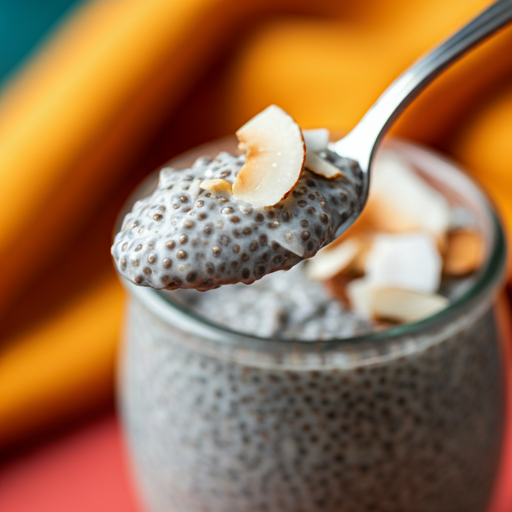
361 143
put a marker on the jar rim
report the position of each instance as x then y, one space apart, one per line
490 276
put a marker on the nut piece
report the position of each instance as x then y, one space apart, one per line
329 262
316 140
318 165
218 186
464 253
385 303
275 159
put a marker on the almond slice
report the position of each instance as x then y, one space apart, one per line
386 303
275 159
318 165
316 140
329 262
218 186
409 261
464 252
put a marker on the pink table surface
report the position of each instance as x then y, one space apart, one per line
87 471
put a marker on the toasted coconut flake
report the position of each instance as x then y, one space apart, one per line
316 140
409 261
329 262
404 305
401 201
218 186
386 303
464 253
275 159
318 165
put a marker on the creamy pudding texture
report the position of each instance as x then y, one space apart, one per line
284 305
289 305
183 236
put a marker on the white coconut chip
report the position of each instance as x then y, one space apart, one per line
315 163
407 202
385 303
409 261
316 140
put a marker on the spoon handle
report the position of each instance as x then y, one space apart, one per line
361 142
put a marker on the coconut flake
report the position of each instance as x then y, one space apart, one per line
371 301
275 158
404 305
405 201
360 294
409 261
316 140
318 165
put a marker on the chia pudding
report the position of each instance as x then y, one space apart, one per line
193 231
260 414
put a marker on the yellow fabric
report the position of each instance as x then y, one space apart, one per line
124 85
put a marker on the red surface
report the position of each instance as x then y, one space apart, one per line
86 471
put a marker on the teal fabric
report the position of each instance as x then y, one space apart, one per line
23 25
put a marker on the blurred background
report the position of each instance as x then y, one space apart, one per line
94 95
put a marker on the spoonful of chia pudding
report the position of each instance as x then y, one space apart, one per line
236 218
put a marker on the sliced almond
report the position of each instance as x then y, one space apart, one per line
329 262
386 303
318 165
316 140
218 186
275 159
464 252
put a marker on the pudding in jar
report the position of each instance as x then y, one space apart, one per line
349 382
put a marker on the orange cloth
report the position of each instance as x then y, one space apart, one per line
123 86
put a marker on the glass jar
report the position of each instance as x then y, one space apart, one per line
409 419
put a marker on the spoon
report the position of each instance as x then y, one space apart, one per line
188 235
362 142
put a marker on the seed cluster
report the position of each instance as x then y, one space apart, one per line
182 236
